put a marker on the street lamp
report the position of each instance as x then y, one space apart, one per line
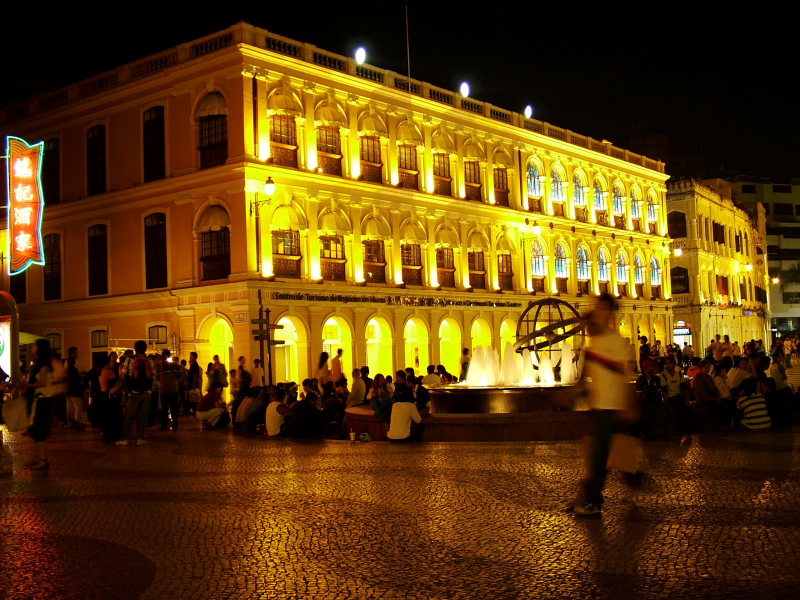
255 209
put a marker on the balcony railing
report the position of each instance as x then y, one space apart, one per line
622 289
506 281
412 275
472 191
371 172
333 269
286 267
409 180
447 277
655 290
583 287
561 285
477 280
501 197
558 209
581 214
375 272
285 156
535 204
331 165
602 217
537 284
442 186
602 287
639 290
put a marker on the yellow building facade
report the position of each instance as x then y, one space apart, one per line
720 279
406 221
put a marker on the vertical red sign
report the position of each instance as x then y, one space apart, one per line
25 204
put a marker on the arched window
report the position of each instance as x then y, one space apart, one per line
638 269
213 122
562 266
635 200
578 193
584 268
603 273
599 197
534 185
556 187
215 243
652 209
655 272
537 260
619 201
622 267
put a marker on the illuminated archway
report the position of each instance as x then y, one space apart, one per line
379 346
336 334
508 334
217 335
415 337
660 332
481 333
290 359
450 345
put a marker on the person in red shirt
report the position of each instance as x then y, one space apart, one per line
212 410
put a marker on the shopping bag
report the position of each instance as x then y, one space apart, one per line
625 452
16 415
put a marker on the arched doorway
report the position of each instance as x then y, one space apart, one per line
336 334
450 345
290 359
217 335
481 333
379 347
415 336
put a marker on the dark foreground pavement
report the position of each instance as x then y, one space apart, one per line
216 515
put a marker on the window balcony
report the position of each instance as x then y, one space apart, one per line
477 280
535 205
561 285
581 214
334 269
284 155
602 217
409 180
447 277
558 209
583 287
501 197
286 266
442 186
506 281
412 275
372 172
537 283
473 192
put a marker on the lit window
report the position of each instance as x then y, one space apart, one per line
655 272
619 203
584 271
622 268
634 205
537 260
652 210
578 193
534 185
556 187
638 268
562 267
603 273
599 197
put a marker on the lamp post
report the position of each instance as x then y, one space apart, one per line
255 209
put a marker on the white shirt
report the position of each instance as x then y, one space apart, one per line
258 376
402 415
431 379
609 389
274 418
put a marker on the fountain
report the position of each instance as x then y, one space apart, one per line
537 373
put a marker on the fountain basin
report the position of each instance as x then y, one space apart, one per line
466 399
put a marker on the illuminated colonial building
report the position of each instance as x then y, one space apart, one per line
719 274
406 221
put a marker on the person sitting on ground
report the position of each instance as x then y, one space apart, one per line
304 420
404 413
736 375
380 398
212 411
432 379
248 407
277 409
390 385
753 405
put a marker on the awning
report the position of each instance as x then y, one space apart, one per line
29 338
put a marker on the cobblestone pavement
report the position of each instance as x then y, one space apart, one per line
216 515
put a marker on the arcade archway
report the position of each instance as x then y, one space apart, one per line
379 346
290 359
481 333
336 333
415 336
450 345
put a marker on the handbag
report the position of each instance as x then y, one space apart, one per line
16 415
624 454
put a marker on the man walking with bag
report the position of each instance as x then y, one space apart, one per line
611 401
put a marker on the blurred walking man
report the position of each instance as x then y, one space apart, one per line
610 398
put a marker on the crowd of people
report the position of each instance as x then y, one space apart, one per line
727 387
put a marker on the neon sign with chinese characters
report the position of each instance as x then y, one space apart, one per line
25 204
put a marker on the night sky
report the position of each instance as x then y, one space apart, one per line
721 87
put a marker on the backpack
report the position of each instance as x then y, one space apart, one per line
139 377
